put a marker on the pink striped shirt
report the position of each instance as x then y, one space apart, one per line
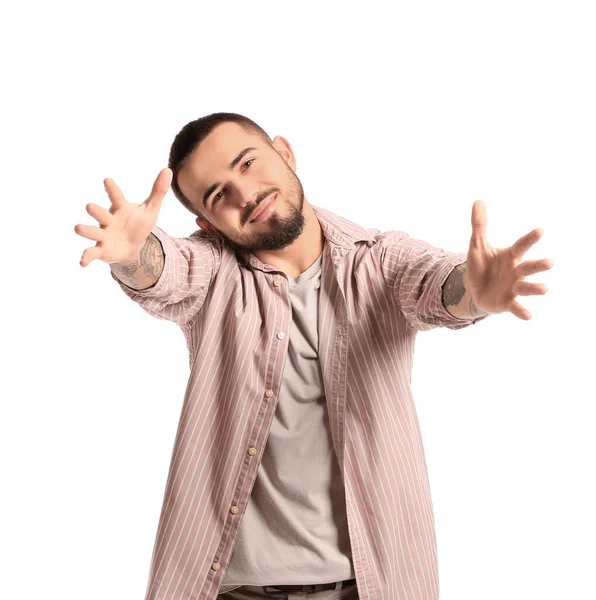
378 289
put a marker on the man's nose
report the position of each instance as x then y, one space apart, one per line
246 194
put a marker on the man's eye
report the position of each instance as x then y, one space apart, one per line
216 198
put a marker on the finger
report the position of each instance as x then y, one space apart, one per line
99 213
114 192
526 242
525 288
89 255
160 188
479 222
519 311
90 232
530 267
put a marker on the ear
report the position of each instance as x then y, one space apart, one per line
285 150
203 224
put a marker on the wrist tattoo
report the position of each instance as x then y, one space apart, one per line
474 310
152 257
151 262
454 290
125 272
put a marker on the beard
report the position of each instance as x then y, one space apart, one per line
282 231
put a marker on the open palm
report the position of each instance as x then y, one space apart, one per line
124 228
496 275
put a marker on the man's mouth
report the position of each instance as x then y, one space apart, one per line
265 204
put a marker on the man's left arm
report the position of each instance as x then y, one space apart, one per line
491 278
434 288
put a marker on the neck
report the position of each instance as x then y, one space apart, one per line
300 254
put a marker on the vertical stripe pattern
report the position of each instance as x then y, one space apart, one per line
378 290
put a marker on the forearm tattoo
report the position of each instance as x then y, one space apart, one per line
152 258
454 290
151 261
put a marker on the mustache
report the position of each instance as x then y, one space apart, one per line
262 197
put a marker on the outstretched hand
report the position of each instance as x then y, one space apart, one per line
496 275
123 229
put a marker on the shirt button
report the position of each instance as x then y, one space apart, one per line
216 566
269 393
281 335
234 510
276 283
252 451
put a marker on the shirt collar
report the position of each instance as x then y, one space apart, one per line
340 234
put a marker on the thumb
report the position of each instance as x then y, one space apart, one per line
478 222
159 189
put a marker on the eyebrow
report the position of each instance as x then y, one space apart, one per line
232 165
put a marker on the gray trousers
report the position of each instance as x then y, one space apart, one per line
259 592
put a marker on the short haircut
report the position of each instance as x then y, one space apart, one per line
189 138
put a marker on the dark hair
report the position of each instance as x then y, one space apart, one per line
189 138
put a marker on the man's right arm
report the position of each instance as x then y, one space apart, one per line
142 270
170 276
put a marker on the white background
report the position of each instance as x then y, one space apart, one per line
401 115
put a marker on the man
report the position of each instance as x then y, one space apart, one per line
298 465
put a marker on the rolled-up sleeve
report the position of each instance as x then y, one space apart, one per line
416 272
190 264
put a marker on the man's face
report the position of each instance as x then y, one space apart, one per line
228 196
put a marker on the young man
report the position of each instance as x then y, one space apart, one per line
298 464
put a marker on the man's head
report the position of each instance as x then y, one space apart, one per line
224 166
